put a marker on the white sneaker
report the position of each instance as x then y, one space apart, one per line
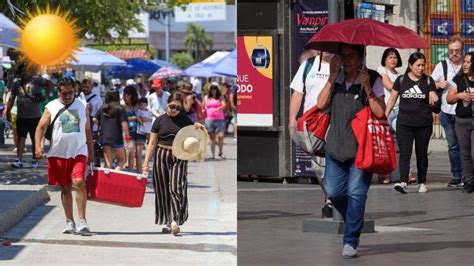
401 187
348 252
174 228
83 227
422 188
70 227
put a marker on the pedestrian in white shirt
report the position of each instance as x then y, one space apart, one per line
158 101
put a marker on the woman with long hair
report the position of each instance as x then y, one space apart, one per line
461 91
169 173
415 120
113 125
215 121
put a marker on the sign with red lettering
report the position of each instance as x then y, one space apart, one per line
255 81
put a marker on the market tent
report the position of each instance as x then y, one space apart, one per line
227 66
94 60
205 67
8 32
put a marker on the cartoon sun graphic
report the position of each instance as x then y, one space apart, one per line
48 39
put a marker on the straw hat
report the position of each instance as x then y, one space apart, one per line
190 143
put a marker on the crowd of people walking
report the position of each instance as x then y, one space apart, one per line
345 85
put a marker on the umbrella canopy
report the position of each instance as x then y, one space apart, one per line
228 65
163 63
204 68
133 68
166 72
364 31
94 60
8 32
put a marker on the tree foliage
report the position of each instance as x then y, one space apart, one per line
183 60
197 41
95 17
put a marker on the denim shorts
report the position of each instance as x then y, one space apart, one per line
138 137
113 146
215 126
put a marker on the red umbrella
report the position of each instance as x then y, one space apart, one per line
364 31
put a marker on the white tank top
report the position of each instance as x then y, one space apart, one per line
69 134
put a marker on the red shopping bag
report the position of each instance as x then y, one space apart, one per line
376 152
310 131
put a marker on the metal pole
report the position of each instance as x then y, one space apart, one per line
167 36
334 10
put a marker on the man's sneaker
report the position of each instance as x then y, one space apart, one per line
455 183
83 227
17 164
174 228
348 252
34 164
422 188
401 187
166 229
70 227
327 210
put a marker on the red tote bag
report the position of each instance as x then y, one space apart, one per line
310 131
376 152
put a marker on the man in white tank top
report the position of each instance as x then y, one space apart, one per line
70 151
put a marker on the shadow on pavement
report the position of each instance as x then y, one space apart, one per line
270 214
21 230
414 247
435 220
380 215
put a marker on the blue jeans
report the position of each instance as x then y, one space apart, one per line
448 121
347 188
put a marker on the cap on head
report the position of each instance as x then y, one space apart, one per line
157 83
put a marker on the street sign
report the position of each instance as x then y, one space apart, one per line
201 12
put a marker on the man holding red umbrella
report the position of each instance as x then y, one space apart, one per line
347 91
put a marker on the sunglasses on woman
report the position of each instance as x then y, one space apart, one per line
174 107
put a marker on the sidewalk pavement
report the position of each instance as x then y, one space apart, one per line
435 228
124 235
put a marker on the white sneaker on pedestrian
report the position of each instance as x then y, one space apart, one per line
174 228
422 188
34 164
17 164
70 227
401 187
83 227
348 252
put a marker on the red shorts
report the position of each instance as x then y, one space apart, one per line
61 171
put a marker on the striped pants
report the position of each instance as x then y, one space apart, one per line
171 185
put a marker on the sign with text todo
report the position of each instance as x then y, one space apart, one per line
255 81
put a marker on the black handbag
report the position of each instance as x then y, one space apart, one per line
49 131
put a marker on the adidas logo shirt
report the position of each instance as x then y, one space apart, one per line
414 101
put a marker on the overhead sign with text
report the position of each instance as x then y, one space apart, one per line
255 81
201 12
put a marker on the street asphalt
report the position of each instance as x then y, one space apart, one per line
120 235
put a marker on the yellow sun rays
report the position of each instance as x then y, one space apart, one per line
48 39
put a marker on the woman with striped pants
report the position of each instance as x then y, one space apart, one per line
169 173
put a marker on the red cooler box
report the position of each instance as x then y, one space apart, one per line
116 187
